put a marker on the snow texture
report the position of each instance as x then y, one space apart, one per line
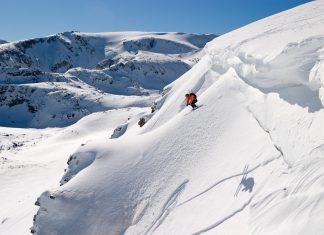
249 161
59 93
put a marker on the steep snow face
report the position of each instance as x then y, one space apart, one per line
248 161
57 80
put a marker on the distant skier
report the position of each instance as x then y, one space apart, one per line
191 99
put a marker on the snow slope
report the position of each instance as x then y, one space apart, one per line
49 108
34 159
261 94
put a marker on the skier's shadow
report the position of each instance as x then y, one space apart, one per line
248 184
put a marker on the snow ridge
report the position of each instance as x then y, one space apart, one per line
261 91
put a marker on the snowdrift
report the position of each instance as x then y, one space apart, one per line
248 161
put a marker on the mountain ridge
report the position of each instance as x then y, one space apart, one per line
104 64
179 173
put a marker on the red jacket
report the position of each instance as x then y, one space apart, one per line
190 99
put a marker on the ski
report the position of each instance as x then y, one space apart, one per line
198 106
193 110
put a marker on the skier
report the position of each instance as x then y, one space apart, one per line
191 99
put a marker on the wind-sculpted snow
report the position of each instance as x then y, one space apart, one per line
260 88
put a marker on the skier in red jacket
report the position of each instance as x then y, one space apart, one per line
191 99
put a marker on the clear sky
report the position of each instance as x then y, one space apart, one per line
22 19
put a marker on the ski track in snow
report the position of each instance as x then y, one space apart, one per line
84 74
227 178
172 204
225 218
169 205
263 89
217 183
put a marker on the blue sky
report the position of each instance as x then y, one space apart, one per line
22 19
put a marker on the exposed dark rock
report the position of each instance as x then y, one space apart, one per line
64 64
16 101
31 108
141 122
105 64
37 203
26 73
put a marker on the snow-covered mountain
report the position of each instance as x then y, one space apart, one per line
260 89
249 160
54 81
3 41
